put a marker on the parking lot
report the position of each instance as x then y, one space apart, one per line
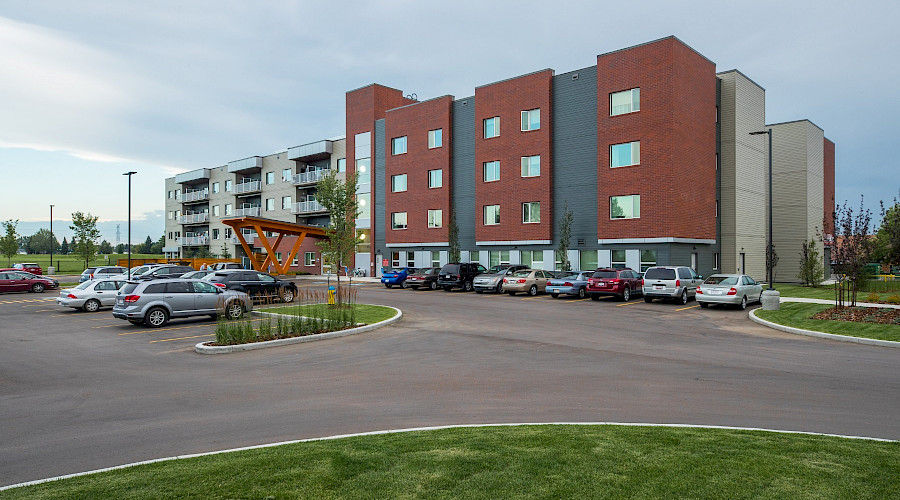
80 391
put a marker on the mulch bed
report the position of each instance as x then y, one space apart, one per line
884 316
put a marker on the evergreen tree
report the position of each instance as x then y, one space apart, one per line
565 235
120 248
453 236
64 248
105 247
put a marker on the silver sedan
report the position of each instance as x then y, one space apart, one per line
91 295
734 289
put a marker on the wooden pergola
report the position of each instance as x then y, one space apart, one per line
282 229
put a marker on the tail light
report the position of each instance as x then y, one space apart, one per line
220 285
677 283
699 291
504 280
520 280
71 296
642 282
614 281
567 284
132 298
732 291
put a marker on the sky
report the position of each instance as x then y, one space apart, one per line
92 89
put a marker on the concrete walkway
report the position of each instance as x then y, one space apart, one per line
823 301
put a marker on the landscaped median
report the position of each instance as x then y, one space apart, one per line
277 326
798 317
526 461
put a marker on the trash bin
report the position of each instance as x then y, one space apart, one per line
331 295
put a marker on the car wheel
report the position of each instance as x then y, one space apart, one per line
581 293
704 305
595 297
388 285
433 285
554 295
234 310
500 287
92 305
743 304
37 287
533 290
684 297
467 286
626 294
287 295
156 317
760 298
647 299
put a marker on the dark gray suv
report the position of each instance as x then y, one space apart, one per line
153 303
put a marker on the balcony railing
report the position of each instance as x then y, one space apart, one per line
249 238
193 218
247 212
309 177
193 240
303 207
189 196
247 187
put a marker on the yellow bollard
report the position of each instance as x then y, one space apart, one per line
331 295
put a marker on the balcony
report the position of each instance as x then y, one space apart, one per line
194 218
252 164
247 187
190 241
310 152
305 207
191 196
247 212
192 176
249 238
310 177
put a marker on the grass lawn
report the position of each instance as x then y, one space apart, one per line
73 264
365 313
518 462
826 292
797 315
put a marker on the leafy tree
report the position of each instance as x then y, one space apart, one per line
145 246
25 243
120 248
565 236
9 242
851 251
85 227
339 198
105 247
812 270
157 247
453 236
41 242
888 236
64 248
774 263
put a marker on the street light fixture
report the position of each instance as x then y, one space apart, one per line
769 247
50 268
129 174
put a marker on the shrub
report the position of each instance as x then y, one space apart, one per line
893 299
872 297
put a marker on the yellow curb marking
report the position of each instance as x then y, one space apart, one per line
577 300
627 304
182 338
689 307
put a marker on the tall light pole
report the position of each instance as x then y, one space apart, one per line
50 269
771 297
129 174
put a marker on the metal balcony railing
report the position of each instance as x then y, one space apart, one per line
303 207
309 177
193 240
193 218
247 212
189 196
247 187
249 238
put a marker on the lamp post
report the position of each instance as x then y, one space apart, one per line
770 293
50 269
129 174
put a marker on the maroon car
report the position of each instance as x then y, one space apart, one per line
19 281
622 283
29 267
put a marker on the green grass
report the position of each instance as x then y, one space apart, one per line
826 292
365 313
72 264
798 315
518 462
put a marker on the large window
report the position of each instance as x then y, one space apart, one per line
625 207
365 205
435 218
398 145
286 202
618 259
492 127
435 138
498 257
215 210
227 185
270 203
435 258
534 259
363 172
215 187
398 183
627 101
228 209
270 177
531 212
531 166
435 178
624 155
531 120
342 165
492 171
398 220
648 259
309 258
491 215
286 175
587 260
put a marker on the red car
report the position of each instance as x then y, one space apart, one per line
622 283
19 281
29 267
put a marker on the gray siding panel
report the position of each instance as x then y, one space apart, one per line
378 190
462 140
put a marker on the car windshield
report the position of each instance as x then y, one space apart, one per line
721 280
82 286
604 274
497 269
524 273
389 270
660 273
569 276
431 270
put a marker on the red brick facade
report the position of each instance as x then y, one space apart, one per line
507 100
414 122
828 175
676 177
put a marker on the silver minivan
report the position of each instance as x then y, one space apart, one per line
154 302
677 283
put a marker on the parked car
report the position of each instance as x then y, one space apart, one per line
260 286
425 277
570 283
93 273
21 281
733 289
163 271
492 279
153 303
91 295
29 267
218 266
196 275
677 283
532 281
391 277
459 275
622 283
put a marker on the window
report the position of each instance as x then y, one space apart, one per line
270 177
342 165
227 186
215 187
216 210
398 220
492 171
491 215
492 127
624 155
227 233
625 207
398 145
398 183
365 205
270 203
435 178
534 259
531 212
648 259
435 218
395 259
228 209
171 195
171 214
362 170
170 235
410 259
435 258
716 260
309 259
588 260
177 214
286 175
278 256
531 120
215 232
531 166
618 259
177 193
498 257
286 202
435 138
627 101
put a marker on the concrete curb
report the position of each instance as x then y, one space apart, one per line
822 335
202 348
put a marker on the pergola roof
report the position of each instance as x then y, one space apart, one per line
261 226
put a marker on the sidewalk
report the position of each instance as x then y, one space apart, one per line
333 278
831 302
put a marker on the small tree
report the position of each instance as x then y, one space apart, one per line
158 245
812 270
565 235
339 198
85 227
453 237
105 247
145 246
888 236
9 242
64 248
851 250
770 266
226 254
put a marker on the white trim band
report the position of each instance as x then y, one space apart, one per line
520 242
656 240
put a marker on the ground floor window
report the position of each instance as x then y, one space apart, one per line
395 259
498 257
309 258
648 259
435 258
364 244
534 259
618 259
410 259
588 260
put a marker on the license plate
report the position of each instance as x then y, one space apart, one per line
601 283
659 287
715 292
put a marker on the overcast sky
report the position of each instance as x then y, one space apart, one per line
92 89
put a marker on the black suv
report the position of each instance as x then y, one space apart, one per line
164 271
259 286
456 275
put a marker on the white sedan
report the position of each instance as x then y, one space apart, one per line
91 295
734 289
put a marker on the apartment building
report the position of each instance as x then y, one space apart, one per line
649 149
